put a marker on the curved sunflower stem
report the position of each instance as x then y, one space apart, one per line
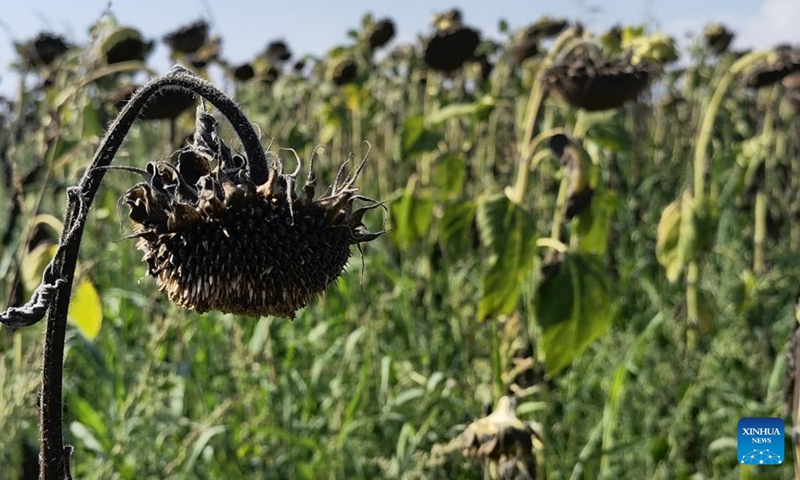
54 294
709 117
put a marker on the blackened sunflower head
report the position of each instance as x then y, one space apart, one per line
214 239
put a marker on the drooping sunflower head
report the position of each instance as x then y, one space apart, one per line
215 239
598 84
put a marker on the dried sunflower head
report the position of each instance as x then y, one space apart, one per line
188 39
125 44
214 239
547 27
784 63
717 38
342 70
524 45
504 438
380 33
277 52
244 72
42 50
594 85
449 49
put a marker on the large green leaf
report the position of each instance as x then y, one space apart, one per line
411 218
592 225
573 309
416 138
451 171
508 236
455 229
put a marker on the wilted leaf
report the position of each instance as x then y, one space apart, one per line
573 309
684 231
416 138
411 217
86 310
508 237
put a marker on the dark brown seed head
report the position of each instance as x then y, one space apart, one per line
215 240
342 71
595 85
188 39
717 38
380 33
42 50
206 54
126 44
268 74
449 50
547 27
277 52
244 72
786 62
524 45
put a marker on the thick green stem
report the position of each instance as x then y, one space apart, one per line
710 116
760 232
692 306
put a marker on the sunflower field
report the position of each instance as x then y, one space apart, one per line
562 254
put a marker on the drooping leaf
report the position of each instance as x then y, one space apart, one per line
411 218
455 229
508 237
608 130
668 236
416 138
684 232
592 225
92 126
573 309
86 310
479 108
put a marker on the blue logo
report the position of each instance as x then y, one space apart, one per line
760 441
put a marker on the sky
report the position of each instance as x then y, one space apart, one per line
314 26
